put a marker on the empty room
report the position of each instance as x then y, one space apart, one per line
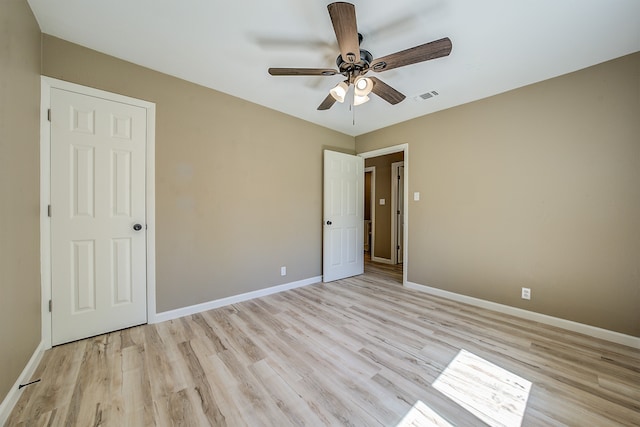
418 213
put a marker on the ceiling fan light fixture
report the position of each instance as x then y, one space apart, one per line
354 63
363 86
339 92
359 100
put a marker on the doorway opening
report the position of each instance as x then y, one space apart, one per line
386 185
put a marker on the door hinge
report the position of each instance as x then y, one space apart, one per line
49 114
49 211
50 306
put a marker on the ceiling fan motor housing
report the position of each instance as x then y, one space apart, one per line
355 67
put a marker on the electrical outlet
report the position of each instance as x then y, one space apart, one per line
526 293
283 271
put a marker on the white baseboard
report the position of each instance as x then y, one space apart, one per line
569 325
198 308
381 260
14 392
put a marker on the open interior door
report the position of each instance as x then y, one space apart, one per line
98 234
343 246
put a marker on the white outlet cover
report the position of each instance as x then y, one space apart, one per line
283 271
382 202
416 196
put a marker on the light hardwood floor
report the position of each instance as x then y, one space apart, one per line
360 351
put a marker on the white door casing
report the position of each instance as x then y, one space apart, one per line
400 234
343 219
397 217
98 259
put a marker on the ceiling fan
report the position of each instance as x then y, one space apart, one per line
354 63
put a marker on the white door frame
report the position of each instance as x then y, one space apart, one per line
47 83
394 203
391 150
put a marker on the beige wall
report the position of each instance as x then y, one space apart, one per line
538 187
19 189
238 186
382 244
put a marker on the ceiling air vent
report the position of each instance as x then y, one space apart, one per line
427 95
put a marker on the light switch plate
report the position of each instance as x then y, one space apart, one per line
416 196
382 202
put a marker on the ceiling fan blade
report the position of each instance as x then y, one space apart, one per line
327 103
386 92
343 18
424 52
302 72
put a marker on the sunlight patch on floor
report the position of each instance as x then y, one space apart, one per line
493 394
420 415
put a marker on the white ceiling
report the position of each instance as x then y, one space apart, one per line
498 45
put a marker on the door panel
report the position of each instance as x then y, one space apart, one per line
98 260
82 182
121 274
343 216
121 173
83 276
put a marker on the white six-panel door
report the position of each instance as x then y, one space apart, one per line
343 247
98 242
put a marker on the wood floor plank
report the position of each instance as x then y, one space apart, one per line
292 406
356 352
249 395
412 392
208 402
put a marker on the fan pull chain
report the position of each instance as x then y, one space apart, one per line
353 108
